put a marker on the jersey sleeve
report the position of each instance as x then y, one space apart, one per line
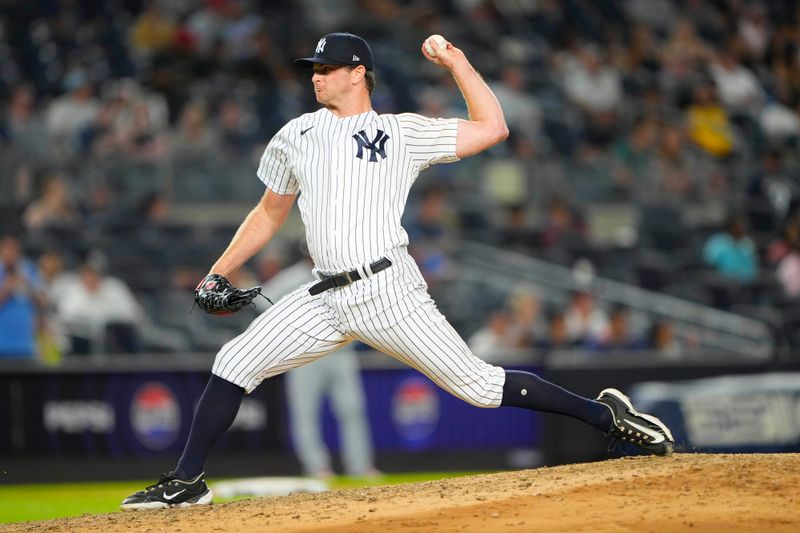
429 140
275 168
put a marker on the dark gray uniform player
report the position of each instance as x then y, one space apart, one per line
354 169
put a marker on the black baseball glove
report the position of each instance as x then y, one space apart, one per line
217 296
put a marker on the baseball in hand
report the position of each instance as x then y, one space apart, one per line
434 43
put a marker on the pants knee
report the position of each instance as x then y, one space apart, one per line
483 398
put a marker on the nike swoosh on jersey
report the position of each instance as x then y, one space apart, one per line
658 438
303 132
170 496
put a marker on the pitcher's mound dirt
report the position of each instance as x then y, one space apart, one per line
685 492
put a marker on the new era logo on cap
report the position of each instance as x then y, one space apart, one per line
339 49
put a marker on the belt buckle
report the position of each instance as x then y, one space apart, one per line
334 280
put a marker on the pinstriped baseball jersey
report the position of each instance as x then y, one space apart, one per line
354 174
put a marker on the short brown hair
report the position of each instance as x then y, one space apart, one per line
369 77
371 81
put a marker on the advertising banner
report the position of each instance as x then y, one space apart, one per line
127 413
149 414
754 413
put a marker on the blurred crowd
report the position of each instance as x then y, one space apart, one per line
524 324
118 115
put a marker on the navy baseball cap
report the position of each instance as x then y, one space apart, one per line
339 49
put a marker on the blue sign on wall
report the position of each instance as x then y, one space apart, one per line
407 411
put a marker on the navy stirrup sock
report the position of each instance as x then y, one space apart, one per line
215 413
523 389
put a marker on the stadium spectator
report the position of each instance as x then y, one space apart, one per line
24 128
617 336
657 14
21 299
131 123
732 252
99 312
709 124
516 233
640 60
519 105
205 25
153 32
55 277
683 55
788 240
773 185
788 272
561 225
738 88
661 338
754 30
53 339
779 123
633 154
195 136
595 86
54 208
525 308
679 173
271 261
584 320
237 129
494 340
69 115
557 335
433 234
242 25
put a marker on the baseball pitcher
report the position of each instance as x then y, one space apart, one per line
354 169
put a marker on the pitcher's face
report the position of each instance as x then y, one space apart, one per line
330 82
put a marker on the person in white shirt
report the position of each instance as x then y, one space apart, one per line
739 89
88 304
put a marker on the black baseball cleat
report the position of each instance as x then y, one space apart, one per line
629 425
169 492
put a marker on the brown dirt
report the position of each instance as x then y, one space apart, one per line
685 492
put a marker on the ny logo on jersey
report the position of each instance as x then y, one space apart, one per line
320 46
376 146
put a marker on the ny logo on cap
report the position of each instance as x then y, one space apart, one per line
376 146
320 46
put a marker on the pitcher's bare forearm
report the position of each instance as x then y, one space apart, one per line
257 229
487 124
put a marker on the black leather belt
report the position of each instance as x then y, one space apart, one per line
346 278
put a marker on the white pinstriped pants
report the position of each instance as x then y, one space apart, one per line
390 311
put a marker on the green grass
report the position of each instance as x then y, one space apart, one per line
22 503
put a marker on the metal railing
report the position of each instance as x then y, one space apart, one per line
710 328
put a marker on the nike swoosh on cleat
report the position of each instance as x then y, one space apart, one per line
658 438
171 496
303 132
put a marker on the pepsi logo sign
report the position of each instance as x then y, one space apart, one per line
155 416
415 411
